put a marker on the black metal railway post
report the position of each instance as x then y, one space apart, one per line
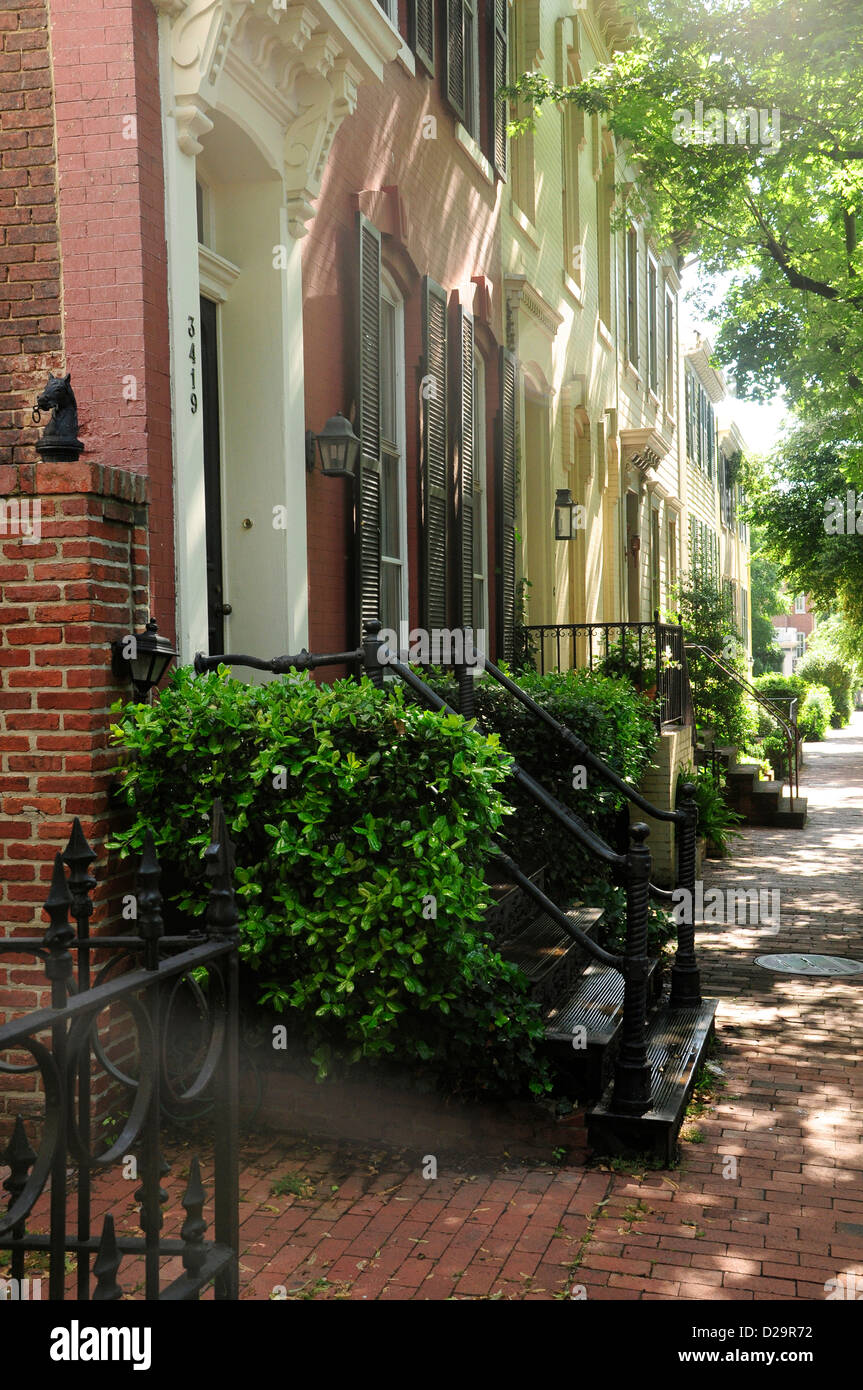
59 967
632 1094
79 856
372 649
150 927
222 919
685 976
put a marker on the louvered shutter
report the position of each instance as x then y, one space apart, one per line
422 32
433 464
455 57
506 506
498 18
368 486
465 461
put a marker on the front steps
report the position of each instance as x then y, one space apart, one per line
759 802
677 1043
582 1003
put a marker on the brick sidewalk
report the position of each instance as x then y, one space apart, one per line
364 1225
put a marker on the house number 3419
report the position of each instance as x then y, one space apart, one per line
193 358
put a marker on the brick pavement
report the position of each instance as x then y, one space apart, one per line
767 1202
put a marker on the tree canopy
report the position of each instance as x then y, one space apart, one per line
743 121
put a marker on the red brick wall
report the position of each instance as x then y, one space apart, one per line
30 341
63 599
112 233
452 235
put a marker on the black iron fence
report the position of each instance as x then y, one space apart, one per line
141 974
651 655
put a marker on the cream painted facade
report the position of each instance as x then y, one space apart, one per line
599 400
252 96
705 505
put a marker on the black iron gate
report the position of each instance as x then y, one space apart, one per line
142 973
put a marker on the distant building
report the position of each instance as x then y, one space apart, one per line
793 630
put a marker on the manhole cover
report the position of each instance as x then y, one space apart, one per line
810 965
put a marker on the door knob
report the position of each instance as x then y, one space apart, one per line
223 610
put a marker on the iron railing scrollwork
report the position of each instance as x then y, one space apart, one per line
143 966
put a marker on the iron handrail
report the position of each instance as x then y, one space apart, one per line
790 730
632 1092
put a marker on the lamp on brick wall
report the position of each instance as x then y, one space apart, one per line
142 658
338 448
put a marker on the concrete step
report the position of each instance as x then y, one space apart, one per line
791 813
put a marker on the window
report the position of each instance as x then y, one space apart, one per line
801 644
394 581
480 502
391 10
700 426
670 375
800 603
572 118
604 172
652 326
522 158
632 295
671 558
744 616
655 576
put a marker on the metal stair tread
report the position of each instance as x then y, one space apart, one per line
676 1043
542 944
596 1004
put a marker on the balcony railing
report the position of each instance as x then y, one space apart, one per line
651 655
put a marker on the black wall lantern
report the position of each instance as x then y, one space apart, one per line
563 508
142 658
338 448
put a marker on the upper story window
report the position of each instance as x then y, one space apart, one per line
391 10
652 325
670 375
572 131
523 172
632 295
800 603
393 509
700 426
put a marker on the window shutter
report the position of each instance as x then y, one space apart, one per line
433 464
506 506
498 21
455 56
465 463
422 32
368 494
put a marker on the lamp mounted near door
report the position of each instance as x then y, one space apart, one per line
563 515
338 448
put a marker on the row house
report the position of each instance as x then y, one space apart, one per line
793 630
718 537
228 222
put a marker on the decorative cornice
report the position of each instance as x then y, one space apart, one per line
521 296
645 448
300 64
671 277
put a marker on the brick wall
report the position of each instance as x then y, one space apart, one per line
30 342
112 235
380 145
64 596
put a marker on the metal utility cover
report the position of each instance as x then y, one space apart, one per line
799 964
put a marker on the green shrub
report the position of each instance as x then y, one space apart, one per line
815 714
708 620
355 815
615 723
839 680
717 821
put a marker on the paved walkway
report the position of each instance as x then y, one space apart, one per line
768 1200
